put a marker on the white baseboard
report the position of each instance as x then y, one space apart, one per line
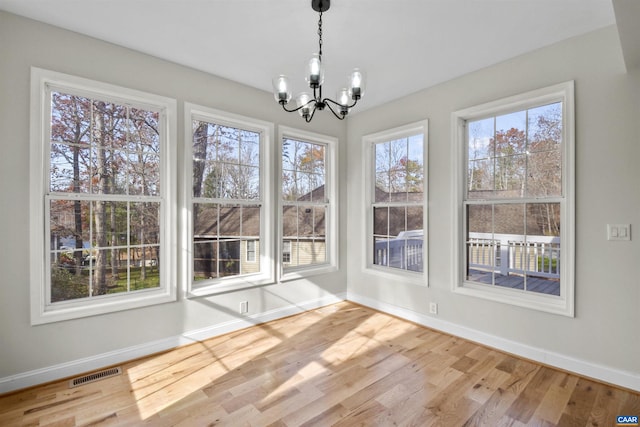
88 364
625 379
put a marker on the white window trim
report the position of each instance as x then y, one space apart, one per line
230 283
40 113
564 304
369 141
331 193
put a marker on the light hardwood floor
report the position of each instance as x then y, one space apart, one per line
343 365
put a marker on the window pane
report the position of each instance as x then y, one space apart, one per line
482 248
69 224
509 220
67 282
225 162
224 236
250 148
69 168
114 230
544 246
229 257
397 220
289 221
305 221
144 269
143 174
381 251
544 173
509 230
381 221
414 218
510 137
251 221
205 220
303 170
382 173
480 155
230 221
145 222
480 143
319 221
510 172
144 131
480 179
545 127
414 165
205 256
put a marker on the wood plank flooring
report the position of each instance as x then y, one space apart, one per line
342 365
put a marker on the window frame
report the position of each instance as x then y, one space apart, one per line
265 247
331 193
369 142
563 304
43 83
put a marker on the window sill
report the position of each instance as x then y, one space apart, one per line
229 284
540 302
304 272
101 305
412 278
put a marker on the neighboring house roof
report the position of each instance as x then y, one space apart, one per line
234 221
542 219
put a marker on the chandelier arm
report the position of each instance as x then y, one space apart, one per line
340 116
298 108
338 104
310 116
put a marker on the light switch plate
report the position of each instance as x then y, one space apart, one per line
618 231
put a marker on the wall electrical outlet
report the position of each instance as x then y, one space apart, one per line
244 307
433 307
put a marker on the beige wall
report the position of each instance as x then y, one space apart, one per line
605 329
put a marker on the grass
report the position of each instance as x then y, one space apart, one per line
65 285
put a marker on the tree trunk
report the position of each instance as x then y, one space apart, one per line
77 211
100 267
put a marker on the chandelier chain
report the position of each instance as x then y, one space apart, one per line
320 37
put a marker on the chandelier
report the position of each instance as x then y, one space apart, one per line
307 104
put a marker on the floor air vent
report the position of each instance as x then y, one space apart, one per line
96 376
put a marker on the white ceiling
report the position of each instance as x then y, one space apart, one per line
403 45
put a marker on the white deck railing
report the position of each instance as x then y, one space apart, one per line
511 253
400 253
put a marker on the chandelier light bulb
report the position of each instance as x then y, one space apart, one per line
304 101
281 90
315 71
356 84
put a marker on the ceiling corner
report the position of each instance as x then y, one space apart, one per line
627 14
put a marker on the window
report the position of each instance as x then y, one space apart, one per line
307 200
101 167
226 189
397 213
515 201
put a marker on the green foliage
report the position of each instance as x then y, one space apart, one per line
66 286
152 280
545 262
